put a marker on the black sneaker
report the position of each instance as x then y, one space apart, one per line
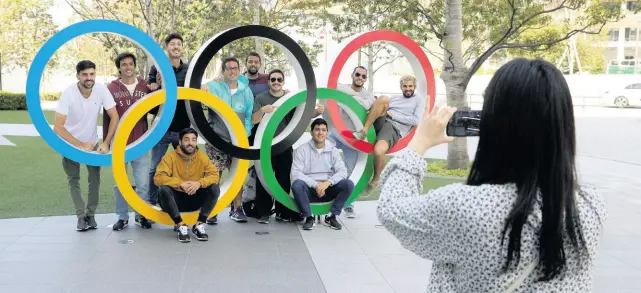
213 220
264 220
332 222
82 224
91 222
183 234
309 223
121 224
199 232
143 222
280 218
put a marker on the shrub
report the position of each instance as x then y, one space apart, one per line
18 101
12 101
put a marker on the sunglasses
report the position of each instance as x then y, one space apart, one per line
274 79
359 75
232 68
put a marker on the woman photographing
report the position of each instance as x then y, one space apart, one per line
521 222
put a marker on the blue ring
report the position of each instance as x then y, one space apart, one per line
94 26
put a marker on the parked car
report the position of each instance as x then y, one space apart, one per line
629 96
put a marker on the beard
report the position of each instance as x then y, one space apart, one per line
88 84
408 94
184 149
356 85
252 70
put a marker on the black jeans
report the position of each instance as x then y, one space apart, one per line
339 192
282 167
174 202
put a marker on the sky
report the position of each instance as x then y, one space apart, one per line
60 13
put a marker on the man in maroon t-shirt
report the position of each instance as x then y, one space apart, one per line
126 90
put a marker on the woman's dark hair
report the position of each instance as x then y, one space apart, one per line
527 138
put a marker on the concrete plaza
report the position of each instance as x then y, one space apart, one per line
48 255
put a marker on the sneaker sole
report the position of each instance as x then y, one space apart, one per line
184 241
238 220
200 239
351 216
263 222
335 228
82 230
312 228
123 227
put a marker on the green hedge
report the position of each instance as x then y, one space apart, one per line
18 101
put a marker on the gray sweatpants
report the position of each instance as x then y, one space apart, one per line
72 169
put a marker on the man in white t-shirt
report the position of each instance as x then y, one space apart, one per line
77 123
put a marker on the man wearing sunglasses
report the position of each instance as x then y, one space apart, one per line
366 99
282 163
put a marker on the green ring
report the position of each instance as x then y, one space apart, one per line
269 177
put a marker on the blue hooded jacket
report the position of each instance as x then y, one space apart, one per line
242 102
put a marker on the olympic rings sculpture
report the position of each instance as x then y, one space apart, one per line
304 100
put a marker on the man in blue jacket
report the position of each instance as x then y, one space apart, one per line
239 96
319 174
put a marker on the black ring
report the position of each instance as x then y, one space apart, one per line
196 71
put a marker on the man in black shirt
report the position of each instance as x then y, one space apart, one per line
281 163
173 46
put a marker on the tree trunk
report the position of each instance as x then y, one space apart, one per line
454 75
0 71
150 29
259 43
173 15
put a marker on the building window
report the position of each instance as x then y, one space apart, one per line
613 6
630 34
613 35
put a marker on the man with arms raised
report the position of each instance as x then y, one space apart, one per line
126 91
77 122
392 119
188 181
319 173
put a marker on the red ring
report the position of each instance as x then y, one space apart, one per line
350 48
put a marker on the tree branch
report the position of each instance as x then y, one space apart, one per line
550 43
387 62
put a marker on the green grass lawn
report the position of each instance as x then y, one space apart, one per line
22 117
33 183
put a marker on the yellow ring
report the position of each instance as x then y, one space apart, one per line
142 107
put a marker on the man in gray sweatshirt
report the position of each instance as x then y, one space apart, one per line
319 174
392 119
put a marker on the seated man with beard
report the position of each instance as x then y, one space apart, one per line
392 118
187 181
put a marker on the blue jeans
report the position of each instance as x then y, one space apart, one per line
350 155
140 167
339 192
157 152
